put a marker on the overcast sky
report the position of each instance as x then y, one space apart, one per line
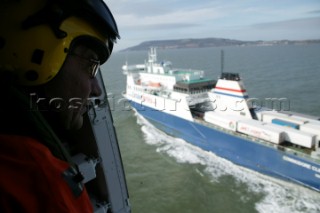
145 20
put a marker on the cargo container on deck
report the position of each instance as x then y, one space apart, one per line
259 130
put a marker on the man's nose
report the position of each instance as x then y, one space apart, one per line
95 88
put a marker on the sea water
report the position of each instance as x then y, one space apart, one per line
166 174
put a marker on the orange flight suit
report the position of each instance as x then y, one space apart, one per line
32 180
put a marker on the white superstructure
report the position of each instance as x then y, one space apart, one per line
159 86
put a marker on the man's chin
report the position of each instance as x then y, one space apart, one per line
76 123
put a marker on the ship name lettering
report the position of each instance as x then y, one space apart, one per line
316 169
148 99
297 162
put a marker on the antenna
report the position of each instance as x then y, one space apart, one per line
222 61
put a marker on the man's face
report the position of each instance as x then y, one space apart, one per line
74 86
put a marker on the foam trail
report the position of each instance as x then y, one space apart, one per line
280 196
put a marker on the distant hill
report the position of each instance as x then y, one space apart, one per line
212 42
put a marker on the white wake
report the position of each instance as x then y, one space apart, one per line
280 196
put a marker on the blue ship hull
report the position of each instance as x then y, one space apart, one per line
240 150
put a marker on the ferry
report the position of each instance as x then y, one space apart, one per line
217 116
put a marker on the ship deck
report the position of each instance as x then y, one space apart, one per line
286 147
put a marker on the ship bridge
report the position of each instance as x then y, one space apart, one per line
194 86
230 76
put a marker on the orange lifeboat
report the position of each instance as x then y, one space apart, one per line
154 84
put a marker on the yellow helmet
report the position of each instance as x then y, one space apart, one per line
36 35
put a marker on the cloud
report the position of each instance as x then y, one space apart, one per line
314 12
142 20
305 23
138 8
148 12
165 26
295 29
